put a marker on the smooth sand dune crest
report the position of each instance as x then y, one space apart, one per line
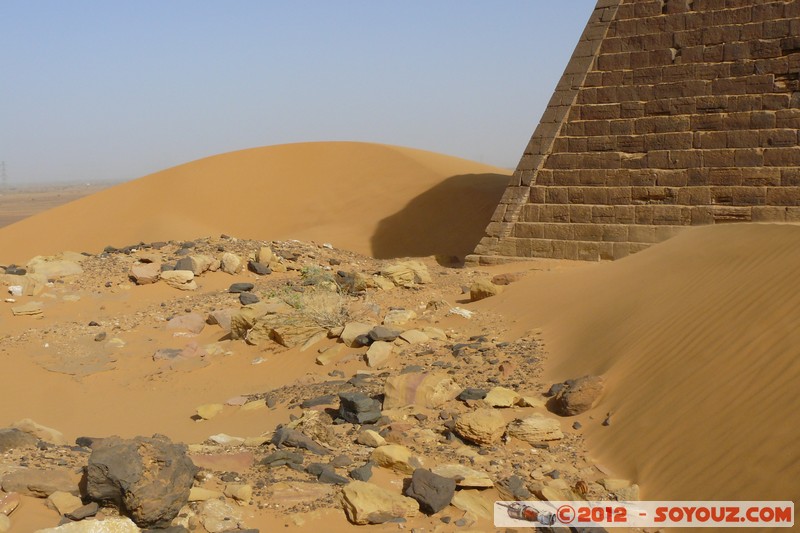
699 339
338 192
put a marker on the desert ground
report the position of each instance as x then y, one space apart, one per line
359 350
18 202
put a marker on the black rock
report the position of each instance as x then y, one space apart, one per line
358 408
188 244
166 267
84 511
515 485
100 336
183 251
87 442
362 340
237 288
576 425
382 333
184 263
412 368
359 380
93 324
147 479
110 249
471 393
330 476
282 457
259 268
432 491
12 438
319 400
554 389
458 348
362 473
248 298
293 438
13 270
315 469
172 529
341 461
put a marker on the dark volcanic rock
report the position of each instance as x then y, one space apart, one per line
362 340
84 511
382 333
432 491
147 479
319 400
358 408
515 486
326 474
294 439
362 473
259 268
11 438
13 270
282 457
471 393
248 298
236 288
184 263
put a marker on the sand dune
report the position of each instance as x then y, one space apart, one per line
699 339
366 198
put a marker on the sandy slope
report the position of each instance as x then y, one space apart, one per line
699 338
374 199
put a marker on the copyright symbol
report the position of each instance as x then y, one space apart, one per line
566 514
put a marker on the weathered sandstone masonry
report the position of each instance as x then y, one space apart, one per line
670 113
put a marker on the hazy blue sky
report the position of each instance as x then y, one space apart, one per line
112 90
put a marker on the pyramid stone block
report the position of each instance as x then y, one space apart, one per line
671 113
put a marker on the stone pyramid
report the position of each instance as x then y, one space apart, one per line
670 113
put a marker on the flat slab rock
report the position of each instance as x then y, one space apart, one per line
365 503
110 525
40 483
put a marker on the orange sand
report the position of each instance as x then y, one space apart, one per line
699 339
374 199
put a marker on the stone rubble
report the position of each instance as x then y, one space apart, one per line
454 414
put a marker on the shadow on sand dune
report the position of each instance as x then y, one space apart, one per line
447 220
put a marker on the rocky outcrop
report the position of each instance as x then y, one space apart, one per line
365 503
482 426
432 492
148 479
535 429
430 390
578 395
